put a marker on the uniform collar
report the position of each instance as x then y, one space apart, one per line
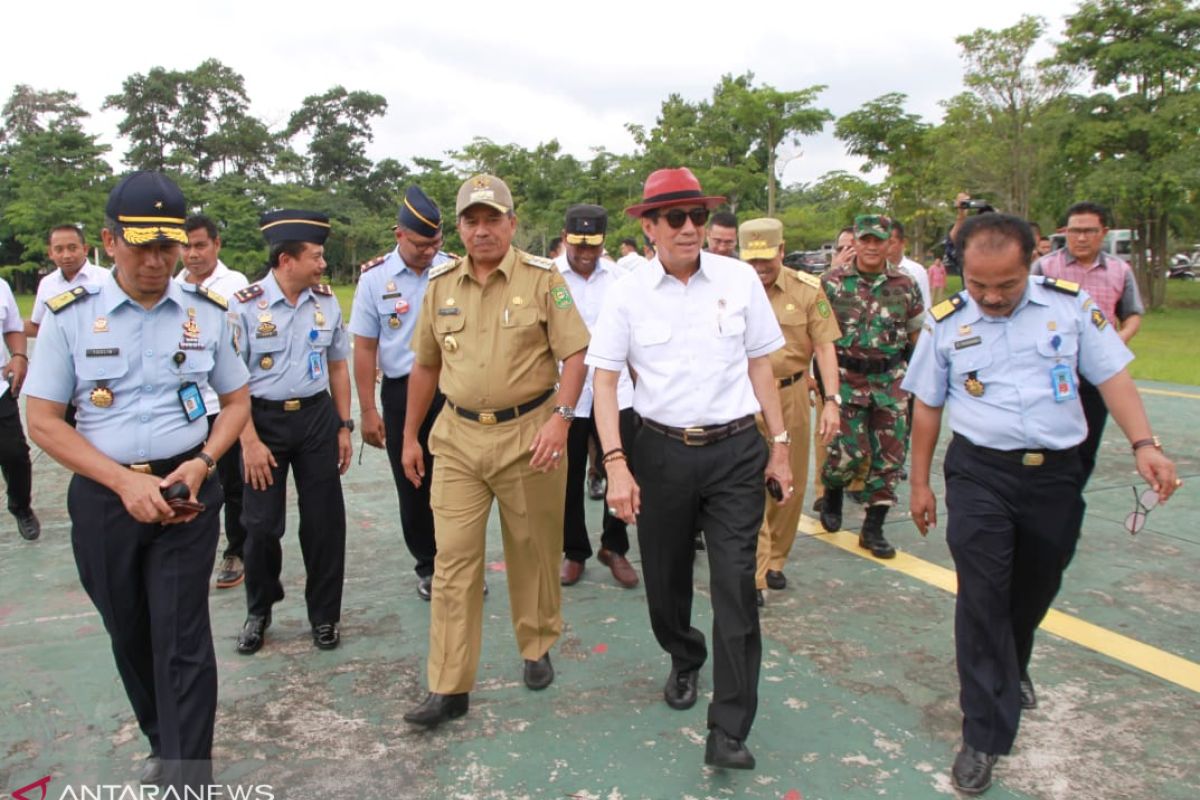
112 296
219 271
889 270
274 294
506 265
396 266
564 266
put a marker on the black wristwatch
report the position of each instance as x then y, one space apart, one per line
348 424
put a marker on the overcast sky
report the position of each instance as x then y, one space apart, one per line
519 72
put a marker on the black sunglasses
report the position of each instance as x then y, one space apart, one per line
676 216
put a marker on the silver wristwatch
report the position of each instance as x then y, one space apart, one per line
566 412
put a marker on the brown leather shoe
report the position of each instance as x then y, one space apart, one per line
622 570
570 573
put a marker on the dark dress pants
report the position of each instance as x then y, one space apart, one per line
716 488
416 517
1012 531
14 455
614 533
150 584
229 470
304 441
1096 414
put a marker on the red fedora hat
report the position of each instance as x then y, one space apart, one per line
672 187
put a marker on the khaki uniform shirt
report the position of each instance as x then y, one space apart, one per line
498 344
805 318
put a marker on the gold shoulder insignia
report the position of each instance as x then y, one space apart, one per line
323 289
1059 285
212 297
443 268
61 301
808 279
538 261
249 293
947 307
374 262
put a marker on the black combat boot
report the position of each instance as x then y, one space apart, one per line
831 510
871 536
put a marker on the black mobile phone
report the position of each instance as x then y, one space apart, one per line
774 489
176 491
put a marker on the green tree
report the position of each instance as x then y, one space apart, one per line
338 124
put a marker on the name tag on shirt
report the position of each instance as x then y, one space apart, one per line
964 343
315 368
1062 379
95 352
192 402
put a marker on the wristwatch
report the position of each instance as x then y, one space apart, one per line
566 412
208 462
836 399
782 438
348 424
1151 442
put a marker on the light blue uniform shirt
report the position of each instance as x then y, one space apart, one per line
104 340
277 340
1013 357
391 291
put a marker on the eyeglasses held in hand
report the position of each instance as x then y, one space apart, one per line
1145 503
676 216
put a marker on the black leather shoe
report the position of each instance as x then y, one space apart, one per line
250 640
326 636
776 579
831 510
437 708
759 599
680 691
152 772
722 750
231 573
27 524
972 771
539 674
425 587
1028 695
871 537
818 505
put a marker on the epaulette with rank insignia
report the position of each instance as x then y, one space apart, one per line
443 268
374 262
61 301
323 289
1059 285
947 307
538 261
249 293
212 297
807 278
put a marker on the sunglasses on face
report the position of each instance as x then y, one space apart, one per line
676 217
587 239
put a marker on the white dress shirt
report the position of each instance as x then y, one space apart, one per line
54 284
629 262
589 294
920 276
10 322
223 281
688 343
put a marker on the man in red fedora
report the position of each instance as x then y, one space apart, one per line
696 328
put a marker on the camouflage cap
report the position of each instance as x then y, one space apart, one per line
484 189
875 225
760 238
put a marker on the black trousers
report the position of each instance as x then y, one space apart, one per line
150 584
717 488
304 441
1012 531
614 533
229 470
416 517
14 455
1096 414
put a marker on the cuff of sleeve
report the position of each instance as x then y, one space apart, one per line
770 347
594 360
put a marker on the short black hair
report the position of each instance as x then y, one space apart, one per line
898 227
294 249
554 244
629 242
198 221
994 230
66 227
1087 207
725 219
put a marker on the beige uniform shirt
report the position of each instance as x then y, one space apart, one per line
499 343
804 317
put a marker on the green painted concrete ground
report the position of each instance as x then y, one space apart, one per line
858 697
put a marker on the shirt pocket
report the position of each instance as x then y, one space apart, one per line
319 339
731 337
650 334
448 329
1067 349
521 331
100 370
792 318
267 344
970 359
195 367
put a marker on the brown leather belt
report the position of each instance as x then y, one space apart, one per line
701 435
504 414
788 381
294 404
164 466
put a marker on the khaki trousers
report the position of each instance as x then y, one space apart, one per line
778 530
474 463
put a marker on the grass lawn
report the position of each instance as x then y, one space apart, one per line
1167 346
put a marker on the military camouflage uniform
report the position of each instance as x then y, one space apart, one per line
876 313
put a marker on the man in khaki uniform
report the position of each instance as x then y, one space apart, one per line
493 327
809 329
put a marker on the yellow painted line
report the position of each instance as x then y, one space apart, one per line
1168 393
1139 655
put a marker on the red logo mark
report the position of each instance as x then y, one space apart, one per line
19 794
